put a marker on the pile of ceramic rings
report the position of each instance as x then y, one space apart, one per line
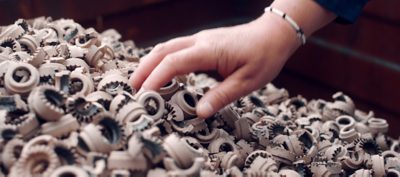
67 109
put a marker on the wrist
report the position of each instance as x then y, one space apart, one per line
308 14
272 26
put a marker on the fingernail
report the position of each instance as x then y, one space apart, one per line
205 109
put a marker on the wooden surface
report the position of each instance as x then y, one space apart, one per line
361 59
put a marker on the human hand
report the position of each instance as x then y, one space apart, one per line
247 57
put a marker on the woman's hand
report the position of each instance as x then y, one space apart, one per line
247 57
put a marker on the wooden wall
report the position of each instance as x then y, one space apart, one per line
362 59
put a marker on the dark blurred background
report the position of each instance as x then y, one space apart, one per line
361 59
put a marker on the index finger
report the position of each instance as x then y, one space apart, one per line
181 62
150 61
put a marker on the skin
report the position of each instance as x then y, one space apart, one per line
247 56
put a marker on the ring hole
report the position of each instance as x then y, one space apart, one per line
341 98
298 103
8 134
356 156
25 48
8 43
285 145
39 166
71 67
396 148
66 156
114 88
307 140
83 39
225 147
82 145
370 148
54 97
256 101
68 174
21 74
168 84
347 129
189 100
392 174
377 121
16 117
193 145
17 151
388 155
85 108
152 106
278 129
344 121
110 130
75 85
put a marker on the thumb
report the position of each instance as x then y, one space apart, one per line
231 89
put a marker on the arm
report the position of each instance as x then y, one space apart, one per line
247 56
